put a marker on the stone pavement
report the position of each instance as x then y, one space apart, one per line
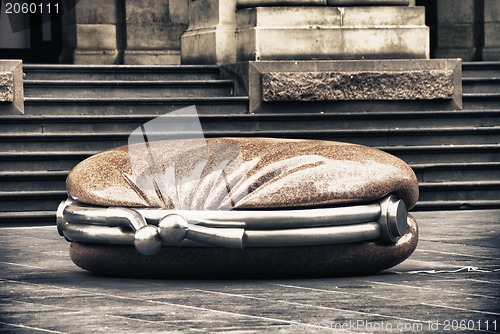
450 284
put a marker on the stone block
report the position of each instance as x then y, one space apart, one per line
368 2
96 36
104 56
332 43
179 11
96 12
317 32
456 36
383 16
331 33
154 35
152 57
11 87
491 54
491 48
492 34
288 17
146 12
491 11
349 85
266 3
6 86
210 38
322 17
454 12
357 85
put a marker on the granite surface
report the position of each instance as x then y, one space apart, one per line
349 86
6 86
360 258
241 173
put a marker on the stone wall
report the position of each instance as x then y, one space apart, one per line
468 29
149 32
124 32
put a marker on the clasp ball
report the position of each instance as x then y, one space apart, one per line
173 228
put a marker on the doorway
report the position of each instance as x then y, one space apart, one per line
31 30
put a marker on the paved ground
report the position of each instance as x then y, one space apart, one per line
450 284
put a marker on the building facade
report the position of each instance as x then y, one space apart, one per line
152 32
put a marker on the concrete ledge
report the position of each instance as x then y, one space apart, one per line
11 87
344 85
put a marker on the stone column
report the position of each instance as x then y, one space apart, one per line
90 33
153 30
211 37
459 30
491 49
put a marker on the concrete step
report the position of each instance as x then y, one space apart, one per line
370 137
460 191
33 181
484 69
465 193
481 85
27 217
44 160
455 154
457 205
127 89
22 201
481 101
134 106
437 154
254 122
39 180
424 159
455 172
121 72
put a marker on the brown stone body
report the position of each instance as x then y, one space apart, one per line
243 173
360 258
260 173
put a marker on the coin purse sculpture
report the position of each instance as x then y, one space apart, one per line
239 207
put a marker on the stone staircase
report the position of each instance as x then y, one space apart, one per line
72 112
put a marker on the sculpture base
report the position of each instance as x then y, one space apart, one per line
326 32
360 258
348 86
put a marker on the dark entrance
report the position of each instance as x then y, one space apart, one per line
30 30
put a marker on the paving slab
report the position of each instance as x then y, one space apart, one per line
450 284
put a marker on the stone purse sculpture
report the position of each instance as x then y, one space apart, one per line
239 207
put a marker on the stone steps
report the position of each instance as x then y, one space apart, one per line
371 137
256 122
121 72
133 105
124 88
484 69
455 154
423 156
480 84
